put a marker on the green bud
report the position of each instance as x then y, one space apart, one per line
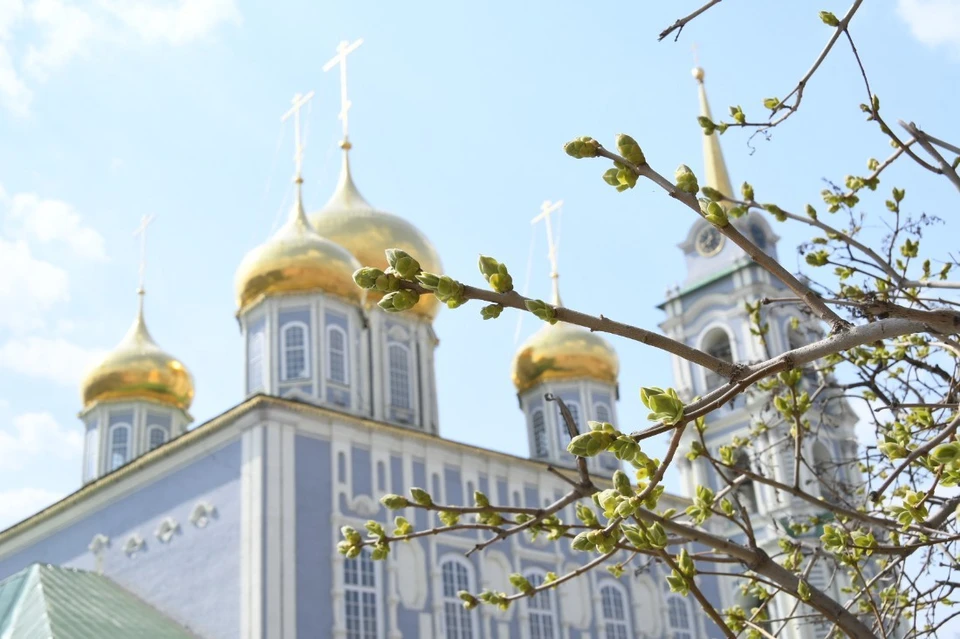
583 542
610 177
542 310
946 453
630 150
686 180
394 502
626 179
831 21
520 583
771 103
716 215
491 311
353 552
469 601
421 496
622 483
380 552
707 125
403 263
387 283
747 191
403 527
480 499
712 193
428 281
582 147
817 258
398 301
351 535
776 211
488 266
448 518
367 276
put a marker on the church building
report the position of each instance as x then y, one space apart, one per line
229 529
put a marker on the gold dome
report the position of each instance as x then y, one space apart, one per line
351 222
564 351
137 369
297 259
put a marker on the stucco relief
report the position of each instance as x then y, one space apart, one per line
364 505
202 513
647 605
167 529
411 565
135 544
576 600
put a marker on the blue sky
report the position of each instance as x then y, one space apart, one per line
111 110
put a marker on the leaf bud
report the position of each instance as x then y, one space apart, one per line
829 19
428 281
421 496
403 263
716 215
394 502
610 177
630 150
582 147
686 180
366 277
491 311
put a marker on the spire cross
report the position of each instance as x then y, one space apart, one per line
299 101
546 210
145 221
343 50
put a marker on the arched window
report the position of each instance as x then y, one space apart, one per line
679 617
746 491
616 623
826 471
541 448
602 412
360 597
399 357
338 368
156 436
255 362
119 445
563 433
294 356
541 609
716 343
459 623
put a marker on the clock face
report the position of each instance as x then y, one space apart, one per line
709 241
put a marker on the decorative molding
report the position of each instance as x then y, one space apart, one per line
399 333
202 513
135 544
411 562
167 529
98 543
364 505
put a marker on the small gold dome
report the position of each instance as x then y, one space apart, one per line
367 233
297 259
564 351
137 369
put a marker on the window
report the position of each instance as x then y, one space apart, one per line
562 431
360 597
541 448
156 436
458 621
615 623
255 362
746 492
543 620
678 615
399 357
119 445
294 362
826 471
602 412
92 451
717 343
337 366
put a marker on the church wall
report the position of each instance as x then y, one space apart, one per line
194 577
315 536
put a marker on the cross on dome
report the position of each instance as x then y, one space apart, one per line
299 101
547 209
141 230
344 49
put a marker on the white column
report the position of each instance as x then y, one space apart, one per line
251 541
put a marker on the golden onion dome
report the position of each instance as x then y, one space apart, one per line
138 369
350 221
561 352
295 260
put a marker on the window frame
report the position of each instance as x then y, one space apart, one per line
712 381
536 576
684 606
455 601
544 438
624 623
408 353
378 631
605 406
286 328
91 445
114 429
152 429
336 328
563 436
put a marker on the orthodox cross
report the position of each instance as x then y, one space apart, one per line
145 221
547 209
299 101
343 50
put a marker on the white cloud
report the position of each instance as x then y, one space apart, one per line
173 23
37 287
53 33
933 22
56 359
38 434
54 221
20 503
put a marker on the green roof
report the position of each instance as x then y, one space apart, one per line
50 602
